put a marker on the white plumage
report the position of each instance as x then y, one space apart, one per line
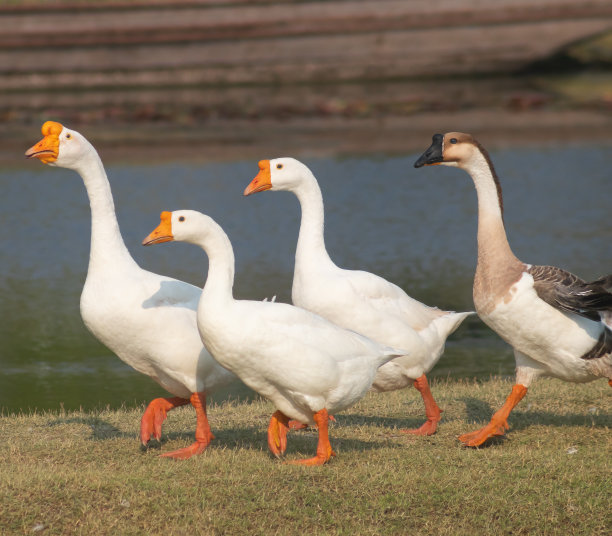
148 320
307 366
359 300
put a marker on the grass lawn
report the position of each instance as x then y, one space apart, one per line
84 473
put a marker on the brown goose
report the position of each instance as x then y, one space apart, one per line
557 324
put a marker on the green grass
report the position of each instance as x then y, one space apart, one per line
84 473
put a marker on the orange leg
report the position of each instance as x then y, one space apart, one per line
499 423
155 415
610 382
203 434
297 425
277 433
324 450
432 411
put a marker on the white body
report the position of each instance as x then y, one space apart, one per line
359 300
547 341
380 310
148 320
299 361
296 359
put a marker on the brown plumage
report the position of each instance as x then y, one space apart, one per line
519 307
568 292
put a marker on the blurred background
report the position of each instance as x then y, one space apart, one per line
182 98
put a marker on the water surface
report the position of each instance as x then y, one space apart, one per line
416 228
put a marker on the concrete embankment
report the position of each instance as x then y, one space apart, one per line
329 73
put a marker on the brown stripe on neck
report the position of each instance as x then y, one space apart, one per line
498 269
493 173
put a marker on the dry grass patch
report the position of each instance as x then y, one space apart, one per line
83 472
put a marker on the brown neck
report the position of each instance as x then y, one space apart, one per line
497 268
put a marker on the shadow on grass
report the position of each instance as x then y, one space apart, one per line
249 437
100 429
303 442
520 420
481 412
299 442
391 423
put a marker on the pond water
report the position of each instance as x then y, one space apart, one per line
416 228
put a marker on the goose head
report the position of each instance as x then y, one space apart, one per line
278 174
180 226
455 149
60 146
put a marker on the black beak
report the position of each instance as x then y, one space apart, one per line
433 155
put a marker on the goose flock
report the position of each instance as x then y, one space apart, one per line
347 332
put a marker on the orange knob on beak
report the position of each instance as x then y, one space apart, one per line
262 181
47 149
162 233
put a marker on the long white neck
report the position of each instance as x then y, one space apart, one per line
220 280
106 242
311 241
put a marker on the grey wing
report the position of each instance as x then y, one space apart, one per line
568 292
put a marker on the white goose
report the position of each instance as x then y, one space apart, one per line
558 324
307 366
358 300
148 320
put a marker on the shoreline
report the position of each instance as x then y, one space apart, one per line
244 139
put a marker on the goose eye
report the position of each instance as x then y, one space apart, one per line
453 140
279 166
68 136
181 218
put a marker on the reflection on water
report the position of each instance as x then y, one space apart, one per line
414 227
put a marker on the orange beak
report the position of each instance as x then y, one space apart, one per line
47 149
162 233
262 181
